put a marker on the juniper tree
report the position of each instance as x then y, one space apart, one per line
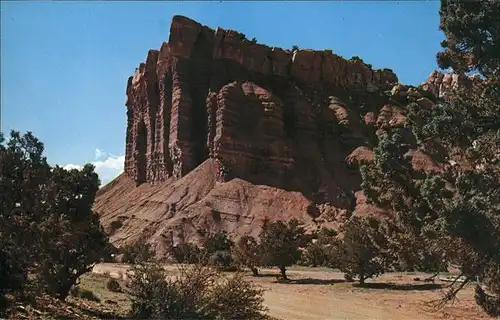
47 226
247 252
362 252
280 242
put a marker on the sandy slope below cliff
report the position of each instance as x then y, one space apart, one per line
181 210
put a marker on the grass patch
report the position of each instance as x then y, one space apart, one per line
117 301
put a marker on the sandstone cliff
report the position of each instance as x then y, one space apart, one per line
223 132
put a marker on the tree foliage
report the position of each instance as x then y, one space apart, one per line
186 253
316 254
137 252
247 253
453 214
320 251
472 31
363 250
218 247
280 243
47 227
218 241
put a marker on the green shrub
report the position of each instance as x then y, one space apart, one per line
78 292
316 254
361 252
186 253
235 298
218 250
115 225
113 285
138 252
280 243
197 292
247 253
216 242
321 250
222 260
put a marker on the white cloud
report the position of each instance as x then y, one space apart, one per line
107 166
101 155
72 166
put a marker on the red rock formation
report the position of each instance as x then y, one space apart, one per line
440 84
184 104
223 133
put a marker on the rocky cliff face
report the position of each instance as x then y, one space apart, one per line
254 108
440 84
223 133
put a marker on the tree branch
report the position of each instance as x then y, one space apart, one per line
451 295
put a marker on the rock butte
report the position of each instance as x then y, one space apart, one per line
223 133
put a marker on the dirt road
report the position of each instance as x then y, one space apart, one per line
320 294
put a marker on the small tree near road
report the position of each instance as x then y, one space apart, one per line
218 241
217 248
320 250
186 253
280 242
361 251
246 252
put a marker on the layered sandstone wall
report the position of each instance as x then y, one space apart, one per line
255 108
229 133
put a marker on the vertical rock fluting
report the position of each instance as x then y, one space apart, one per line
161 157
262 112
249 133
142 103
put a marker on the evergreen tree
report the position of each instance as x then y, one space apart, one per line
47 226
280 242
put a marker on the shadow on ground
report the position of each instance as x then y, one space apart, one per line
92 312
267 275
316 281
400 287
308 281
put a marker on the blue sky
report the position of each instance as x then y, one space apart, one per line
64 65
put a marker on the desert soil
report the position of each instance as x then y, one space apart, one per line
321 293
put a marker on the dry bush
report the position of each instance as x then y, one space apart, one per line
196 292
235 298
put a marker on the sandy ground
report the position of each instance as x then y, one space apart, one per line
320 294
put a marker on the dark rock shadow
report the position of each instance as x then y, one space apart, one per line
400 287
